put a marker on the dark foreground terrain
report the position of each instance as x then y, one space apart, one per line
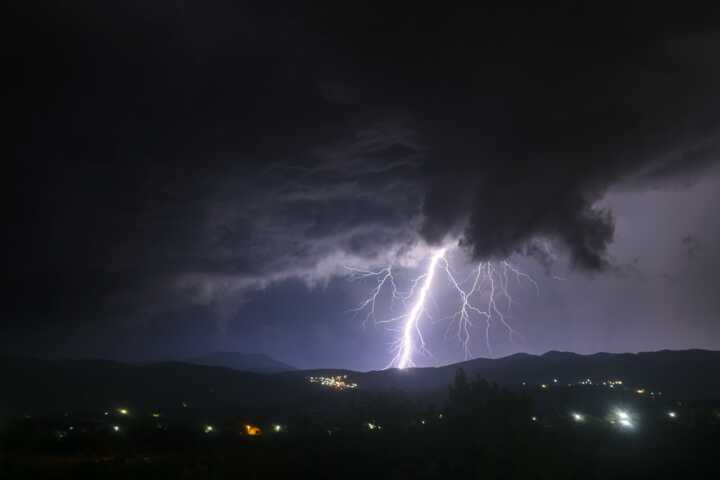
588 423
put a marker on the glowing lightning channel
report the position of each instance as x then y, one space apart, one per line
410 329
490 282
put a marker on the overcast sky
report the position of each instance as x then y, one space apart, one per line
190 177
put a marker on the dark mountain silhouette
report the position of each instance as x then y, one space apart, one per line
43 386
247 362
682 374
34 385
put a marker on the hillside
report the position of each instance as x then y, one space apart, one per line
247 362
88 385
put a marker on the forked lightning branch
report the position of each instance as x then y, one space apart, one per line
484 298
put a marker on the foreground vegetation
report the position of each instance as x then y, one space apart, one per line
480 431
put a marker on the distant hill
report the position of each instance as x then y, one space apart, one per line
40 386
247 362
684 374
88 385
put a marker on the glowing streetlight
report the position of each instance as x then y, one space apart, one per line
624 419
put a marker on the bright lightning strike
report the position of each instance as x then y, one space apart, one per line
411 329
488 298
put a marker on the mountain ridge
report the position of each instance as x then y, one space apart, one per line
249 362
88 385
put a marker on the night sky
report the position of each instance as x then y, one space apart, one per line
196 176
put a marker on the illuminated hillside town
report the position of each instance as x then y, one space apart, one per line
337 382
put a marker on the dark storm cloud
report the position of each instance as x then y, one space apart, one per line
186 153
692 245
528 116
574 119
289 221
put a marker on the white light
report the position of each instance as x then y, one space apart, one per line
534 419
622 415
625 423
208 429
411 325
578 417
490 283
672 414
116 428
277 428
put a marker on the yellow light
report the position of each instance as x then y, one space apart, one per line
252 430
208 429
123 411
640 391
156 415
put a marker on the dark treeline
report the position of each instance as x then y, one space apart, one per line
480 431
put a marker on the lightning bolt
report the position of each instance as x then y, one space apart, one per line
411 331
487 298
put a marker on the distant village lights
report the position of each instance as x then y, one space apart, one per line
337 382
